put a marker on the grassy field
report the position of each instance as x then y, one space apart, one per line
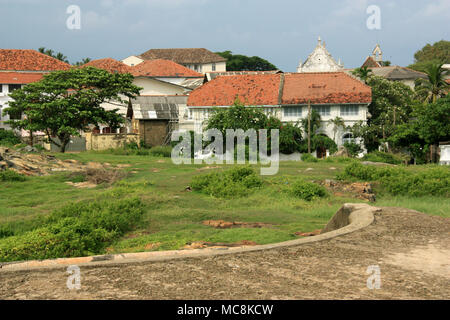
173 216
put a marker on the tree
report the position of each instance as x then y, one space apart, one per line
243 117
434 86
238 62
315 123
437 53
433 121
391 105
82 62
337 123
60 56
363 73
66 102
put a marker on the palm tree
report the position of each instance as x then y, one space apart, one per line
434 86
363 73
337 123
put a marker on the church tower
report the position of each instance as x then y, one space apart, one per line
320 60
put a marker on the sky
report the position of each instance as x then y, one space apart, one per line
281 31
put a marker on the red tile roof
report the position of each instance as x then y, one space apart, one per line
109 64
163 68
326 87
256 89
29 60
19 77
297 88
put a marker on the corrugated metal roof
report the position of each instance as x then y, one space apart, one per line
157 107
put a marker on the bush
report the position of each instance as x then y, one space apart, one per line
307 190
236 182
10 175
353 149
8 138
161 151
306 157
378 156
75 230
398 181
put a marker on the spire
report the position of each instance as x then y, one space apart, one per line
319 40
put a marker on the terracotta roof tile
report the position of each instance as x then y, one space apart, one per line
19 77
163 68
29 60
298 88
183 56
326 87
259 89
110 65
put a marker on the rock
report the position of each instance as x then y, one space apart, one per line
342 152
94 165
309 169
309 234
188 189
28 149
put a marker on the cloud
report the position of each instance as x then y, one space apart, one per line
442 7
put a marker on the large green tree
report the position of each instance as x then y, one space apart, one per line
391 106
239 62
434 86
64 103
437 53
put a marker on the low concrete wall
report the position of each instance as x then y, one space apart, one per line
351 217
109 141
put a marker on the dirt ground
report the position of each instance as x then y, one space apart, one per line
411 249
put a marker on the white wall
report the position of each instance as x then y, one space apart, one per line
157 88
132 61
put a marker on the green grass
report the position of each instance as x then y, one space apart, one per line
173 217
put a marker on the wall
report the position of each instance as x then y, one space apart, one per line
132 61
153 132
153 87
108 141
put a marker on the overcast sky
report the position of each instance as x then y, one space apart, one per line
281 31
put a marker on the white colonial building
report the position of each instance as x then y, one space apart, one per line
320 60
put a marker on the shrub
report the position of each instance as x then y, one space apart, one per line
8 138
306 157
10 175
378 156
161 151
307 190
75 230
236 182
353 149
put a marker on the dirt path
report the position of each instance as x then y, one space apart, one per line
411 249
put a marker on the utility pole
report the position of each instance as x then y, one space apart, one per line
309 126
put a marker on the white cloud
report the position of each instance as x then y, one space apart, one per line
439 8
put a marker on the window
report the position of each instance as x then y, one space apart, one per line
189 112
12 87
292 112
347 138
349 110
213 67
322 110
1 88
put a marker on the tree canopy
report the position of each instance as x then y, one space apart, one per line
66 102
438 53
239 62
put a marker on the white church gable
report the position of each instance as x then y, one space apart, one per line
320 60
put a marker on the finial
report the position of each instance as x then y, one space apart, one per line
319 40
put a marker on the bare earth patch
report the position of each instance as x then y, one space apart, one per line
410 248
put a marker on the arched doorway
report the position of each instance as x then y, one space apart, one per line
321 148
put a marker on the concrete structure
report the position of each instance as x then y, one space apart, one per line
445 153
197 59
320 60
285 96
109 141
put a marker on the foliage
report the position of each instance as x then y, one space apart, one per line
437 53
10 175
8 138
306 157
353 148
385 157
362 72
322 141
75 230
434 87
433 121
307 190
391 106
66 102
239 116
398 181
337 123
161 151
233 183
60 56
238 62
